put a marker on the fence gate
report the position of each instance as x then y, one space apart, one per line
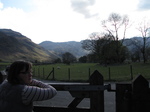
130 97
93 90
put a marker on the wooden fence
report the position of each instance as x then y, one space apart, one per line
93 90
130 97
133 96
52 74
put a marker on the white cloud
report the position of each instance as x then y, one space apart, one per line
1 5
144 5
57 22
82 6
64 20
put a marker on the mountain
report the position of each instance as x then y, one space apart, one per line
76 47
59 48
135 43
14 46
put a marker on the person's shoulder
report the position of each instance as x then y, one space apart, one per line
14 85
4 82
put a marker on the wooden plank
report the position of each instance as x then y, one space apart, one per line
123 97
86 87
140 85
140 95
79 87
96 98
75 102
59 109
66 86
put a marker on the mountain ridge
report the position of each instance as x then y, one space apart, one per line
59 48
14 46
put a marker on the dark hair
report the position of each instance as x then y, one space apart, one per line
15 68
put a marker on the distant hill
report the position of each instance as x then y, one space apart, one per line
14 46
129 43
59 48
76 47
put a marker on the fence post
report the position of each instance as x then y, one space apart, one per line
109 74
43 72
141 95
89 72
53 74
38 71
131 72
69 73
53 77
96 97
34 72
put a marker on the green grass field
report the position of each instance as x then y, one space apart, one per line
81 72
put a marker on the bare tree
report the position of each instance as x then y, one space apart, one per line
115 25
144 29
103 49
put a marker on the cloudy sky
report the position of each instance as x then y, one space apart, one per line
66 20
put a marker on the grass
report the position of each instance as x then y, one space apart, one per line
82 71
3 66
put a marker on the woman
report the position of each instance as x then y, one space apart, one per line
20 90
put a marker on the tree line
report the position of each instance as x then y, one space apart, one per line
106 47
110 47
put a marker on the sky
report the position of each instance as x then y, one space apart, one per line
67 20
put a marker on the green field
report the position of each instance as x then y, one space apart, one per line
81 72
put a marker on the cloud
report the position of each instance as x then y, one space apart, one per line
144 5
52 20
82 7
1 5
25 5
60 20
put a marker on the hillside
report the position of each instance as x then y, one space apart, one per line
135 43
14 46
59 48
76 47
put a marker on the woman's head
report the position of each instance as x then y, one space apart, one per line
20 72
